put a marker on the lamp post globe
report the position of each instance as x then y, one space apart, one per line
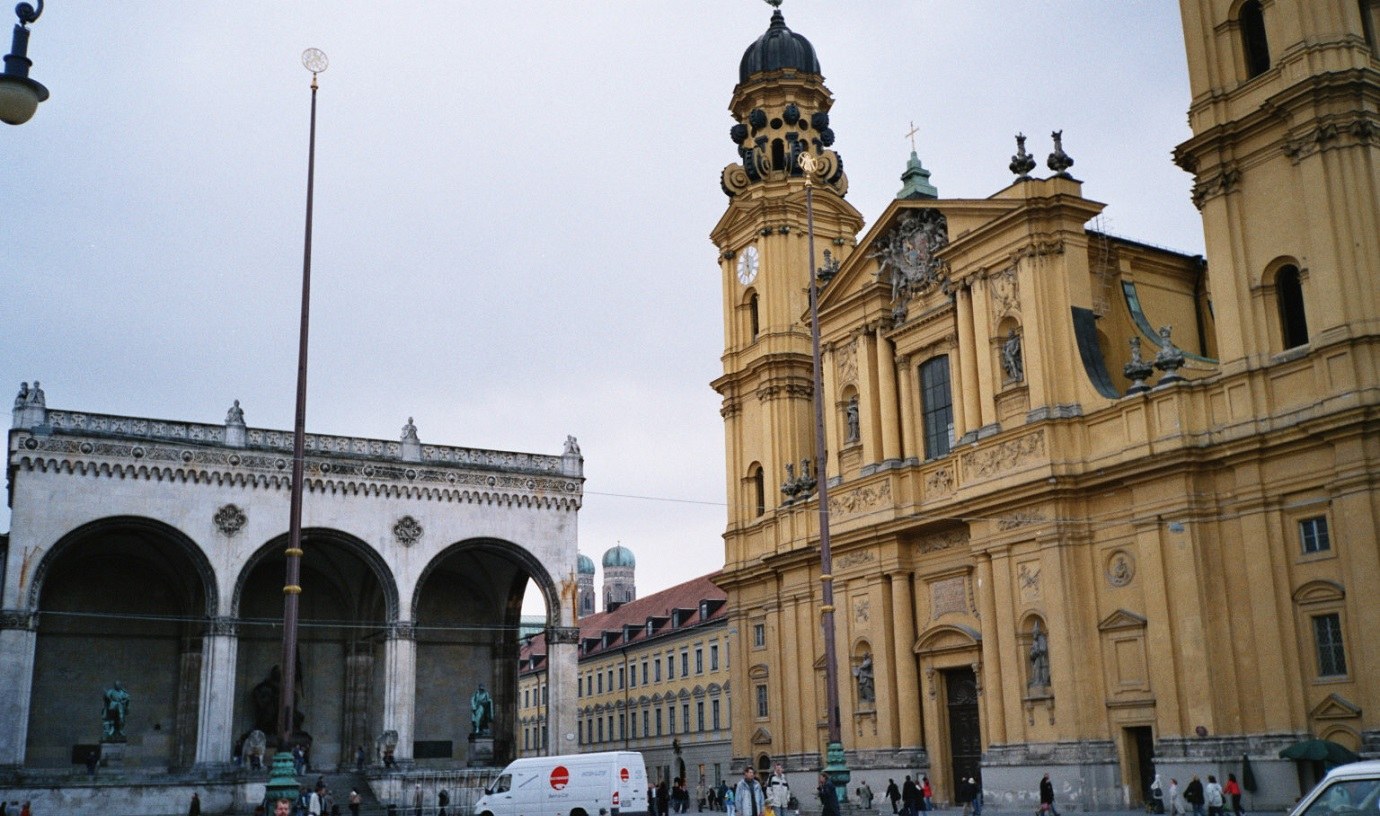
20 95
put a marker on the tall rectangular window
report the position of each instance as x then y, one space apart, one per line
632 675
684 662
656 664
601 729
580 727
601 682
699 716
713 657
647 725
1327 632
699 660
1313 535
622 726
685 718
543 695
526 697
658 721
762 710
620 677
714 714
937 407
759 635
634 725
670 667
579 686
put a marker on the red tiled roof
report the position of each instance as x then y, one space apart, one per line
658 605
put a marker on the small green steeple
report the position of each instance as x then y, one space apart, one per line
915 181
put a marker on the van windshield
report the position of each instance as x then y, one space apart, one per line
501 785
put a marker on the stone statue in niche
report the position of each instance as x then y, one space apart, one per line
854 433
115 710
867 689
1039 657
481 712
1011 358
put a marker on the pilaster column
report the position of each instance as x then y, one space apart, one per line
966 406
562 661
400 686
993 706
904 671
907 421
216 696
886 382
833 434
18 637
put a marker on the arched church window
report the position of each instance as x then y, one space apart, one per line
1293 324
778 154
758 481
1254 46
753 319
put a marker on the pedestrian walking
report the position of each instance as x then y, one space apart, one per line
1233 791
893 794
195 808
778 790
359 759
828 797
748 796
865 795
1213 797
910 797
927 792
1176 806
355 801
977 795
1047 796
1193 795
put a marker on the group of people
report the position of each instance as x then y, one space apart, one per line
1197 796
911 797
664 797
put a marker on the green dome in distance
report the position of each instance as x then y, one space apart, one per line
619 556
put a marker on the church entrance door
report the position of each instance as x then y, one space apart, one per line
965 732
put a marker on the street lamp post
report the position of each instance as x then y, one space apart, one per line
835 764
281 782
19 95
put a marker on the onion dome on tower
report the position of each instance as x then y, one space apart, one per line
619 566
782 110
584 585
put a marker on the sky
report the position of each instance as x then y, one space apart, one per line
512 208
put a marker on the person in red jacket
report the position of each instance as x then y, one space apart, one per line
1233 792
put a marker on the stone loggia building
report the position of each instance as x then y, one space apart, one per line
152 552
1097 508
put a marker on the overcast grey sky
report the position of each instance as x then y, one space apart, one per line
512 207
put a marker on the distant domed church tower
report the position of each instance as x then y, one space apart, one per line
584 586
619 566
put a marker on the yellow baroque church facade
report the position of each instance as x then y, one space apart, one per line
1097 508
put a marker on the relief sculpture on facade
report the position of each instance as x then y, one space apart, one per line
860 499
1003 456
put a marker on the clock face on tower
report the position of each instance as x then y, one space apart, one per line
747 265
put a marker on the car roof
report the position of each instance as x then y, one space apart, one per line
1366 767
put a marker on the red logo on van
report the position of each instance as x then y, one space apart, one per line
623 774
560 777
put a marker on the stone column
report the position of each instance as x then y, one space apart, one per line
966 417
562 658
215 731
886 379
359 671
400 687
18 636
905 675
993 708
908 417
187 718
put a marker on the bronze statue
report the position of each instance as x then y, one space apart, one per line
481 712
114 710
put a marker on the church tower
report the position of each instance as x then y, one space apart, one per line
584 586
1286 162
781 110
619 567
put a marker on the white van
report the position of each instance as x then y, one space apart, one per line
1347 790
611 783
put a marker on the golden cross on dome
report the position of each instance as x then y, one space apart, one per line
911 134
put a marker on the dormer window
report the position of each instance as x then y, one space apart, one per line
651 627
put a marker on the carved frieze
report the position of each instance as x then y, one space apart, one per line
940 482
941 541
1007 455
862 610
861 499
1024 518
854 558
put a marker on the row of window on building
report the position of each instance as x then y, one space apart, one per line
601 728
597 682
